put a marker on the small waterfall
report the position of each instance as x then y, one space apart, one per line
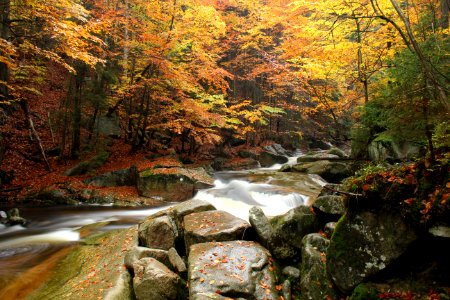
238 196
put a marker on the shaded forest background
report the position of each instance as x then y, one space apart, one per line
199 76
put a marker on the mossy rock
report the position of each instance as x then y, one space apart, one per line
89 165
364 292
94 270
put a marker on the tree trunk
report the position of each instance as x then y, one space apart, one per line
4 34
26 110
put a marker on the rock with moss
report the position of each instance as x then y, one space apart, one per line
172 184
154 281
329 208
89 165
91 270
331 171
234 269
125 177
294 225
364 292
315 283
363 244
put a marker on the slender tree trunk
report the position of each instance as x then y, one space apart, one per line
26 110
4 34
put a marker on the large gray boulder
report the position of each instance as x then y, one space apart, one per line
294 225
282 235
154 281
267 159
315 283
331 171
159 233
172 184
211 226
363 244
317 156
236 269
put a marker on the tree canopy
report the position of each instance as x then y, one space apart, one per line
203 71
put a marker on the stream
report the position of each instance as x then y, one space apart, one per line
52 229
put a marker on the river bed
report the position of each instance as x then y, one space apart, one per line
52 229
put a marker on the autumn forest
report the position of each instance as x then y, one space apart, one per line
197 75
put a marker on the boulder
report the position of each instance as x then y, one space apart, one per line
211 226
294 225
239 164
261 224
137 253
13 218
331 171
154 281
317 157
276 149
172 184
158 232
176 261
89 165
189 207
279 247
267 159
315 283
125 177
93 269
363 244
329 208
236 269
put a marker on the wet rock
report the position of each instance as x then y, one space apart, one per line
159 233
236 269
240 164
331 171
125 177
212 226
189 207
336 151
317 157
154 281
315 283
95 266
172 184
261 225
276 149
176 261
267 159
137 253
363 244
13 218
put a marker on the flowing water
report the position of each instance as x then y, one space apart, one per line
53 229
